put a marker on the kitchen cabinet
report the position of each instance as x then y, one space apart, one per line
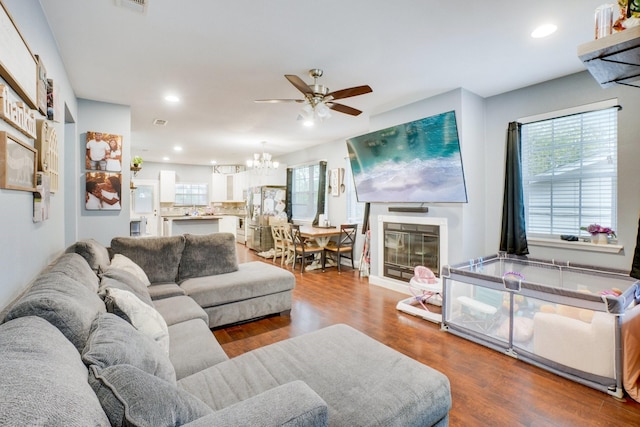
218 187
614 59
167 186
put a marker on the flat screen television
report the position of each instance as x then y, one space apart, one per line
415 162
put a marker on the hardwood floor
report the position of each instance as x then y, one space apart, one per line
488 388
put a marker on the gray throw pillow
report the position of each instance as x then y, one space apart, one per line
131 397
42 379
159 257
62 301
207 255
76 267
114 341
122 279
96 254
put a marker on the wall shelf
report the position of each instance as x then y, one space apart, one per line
614 59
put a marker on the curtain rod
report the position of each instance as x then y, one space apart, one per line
587 108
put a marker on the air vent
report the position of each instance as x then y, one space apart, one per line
139 6
160 122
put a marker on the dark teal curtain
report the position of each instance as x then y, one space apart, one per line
322 185
289 195
635 265
513 239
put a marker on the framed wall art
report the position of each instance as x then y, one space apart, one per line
104 152
103 191
17 164
18 66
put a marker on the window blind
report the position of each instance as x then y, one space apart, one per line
305 192
569 167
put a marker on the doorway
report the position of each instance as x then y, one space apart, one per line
146 204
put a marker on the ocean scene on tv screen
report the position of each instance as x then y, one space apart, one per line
419 161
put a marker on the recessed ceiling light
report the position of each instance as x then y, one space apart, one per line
308 123
213 162
177 148
544 31
165 158
172 98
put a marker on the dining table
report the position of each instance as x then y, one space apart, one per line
322 236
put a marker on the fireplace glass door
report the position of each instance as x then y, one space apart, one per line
409 245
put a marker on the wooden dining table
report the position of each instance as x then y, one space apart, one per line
322 236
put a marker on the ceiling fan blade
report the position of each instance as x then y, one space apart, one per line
344 109
277 101
299 84
352 91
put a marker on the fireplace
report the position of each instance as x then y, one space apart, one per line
406 242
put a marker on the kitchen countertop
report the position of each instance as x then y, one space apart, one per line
191 217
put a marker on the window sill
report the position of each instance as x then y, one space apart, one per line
579 245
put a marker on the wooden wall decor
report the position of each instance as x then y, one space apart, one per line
47 146
17 164
16 113
18 66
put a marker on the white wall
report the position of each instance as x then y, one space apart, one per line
27 247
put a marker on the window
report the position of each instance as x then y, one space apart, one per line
569 171
304 193
192 195
355 209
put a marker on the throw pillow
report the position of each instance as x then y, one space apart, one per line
143 317
131 397
42 379
96 254
123 263
76 267
159 257
123 279
113 341
207 255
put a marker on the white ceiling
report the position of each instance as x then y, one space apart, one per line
219 56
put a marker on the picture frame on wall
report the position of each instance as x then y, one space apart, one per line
103 191
104 152
17 164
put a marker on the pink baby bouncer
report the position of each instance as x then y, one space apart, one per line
426 289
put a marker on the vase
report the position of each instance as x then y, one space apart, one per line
600 238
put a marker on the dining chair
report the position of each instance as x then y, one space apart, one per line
344 247
279 245
304 248
288 255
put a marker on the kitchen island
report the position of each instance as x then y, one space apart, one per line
205 224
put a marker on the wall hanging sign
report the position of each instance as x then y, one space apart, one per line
18 66
16 113
17 164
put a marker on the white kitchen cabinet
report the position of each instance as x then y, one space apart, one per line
218 191
167 186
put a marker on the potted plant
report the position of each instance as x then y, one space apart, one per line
599 234
136 161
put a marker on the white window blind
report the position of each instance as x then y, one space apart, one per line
304 192
569 168
192 195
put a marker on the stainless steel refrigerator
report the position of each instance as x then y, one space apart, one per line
264 203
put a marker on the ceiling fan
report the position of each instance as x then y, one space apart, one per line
317 97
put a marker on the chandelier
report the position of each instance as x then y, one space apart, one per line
262 161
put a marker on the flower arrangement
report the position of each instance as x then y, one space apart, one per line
594 229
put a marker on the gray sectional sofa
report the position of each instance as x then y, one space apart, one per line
100 340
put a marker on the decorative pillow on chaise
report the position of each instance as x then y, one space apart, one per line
114 341
121 262
122 279
132 397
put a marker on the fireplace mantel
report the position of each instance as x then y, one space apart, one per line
412 238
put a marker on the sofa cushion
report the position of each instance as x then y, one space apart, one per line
253 279
159 257
165 290
76 267
64 302
122 279
207 255
42 379
132 397
193 347
180 309
96 254
123 263
143 317
114 341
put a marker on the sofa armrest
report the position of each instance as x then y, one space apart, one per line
297 405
